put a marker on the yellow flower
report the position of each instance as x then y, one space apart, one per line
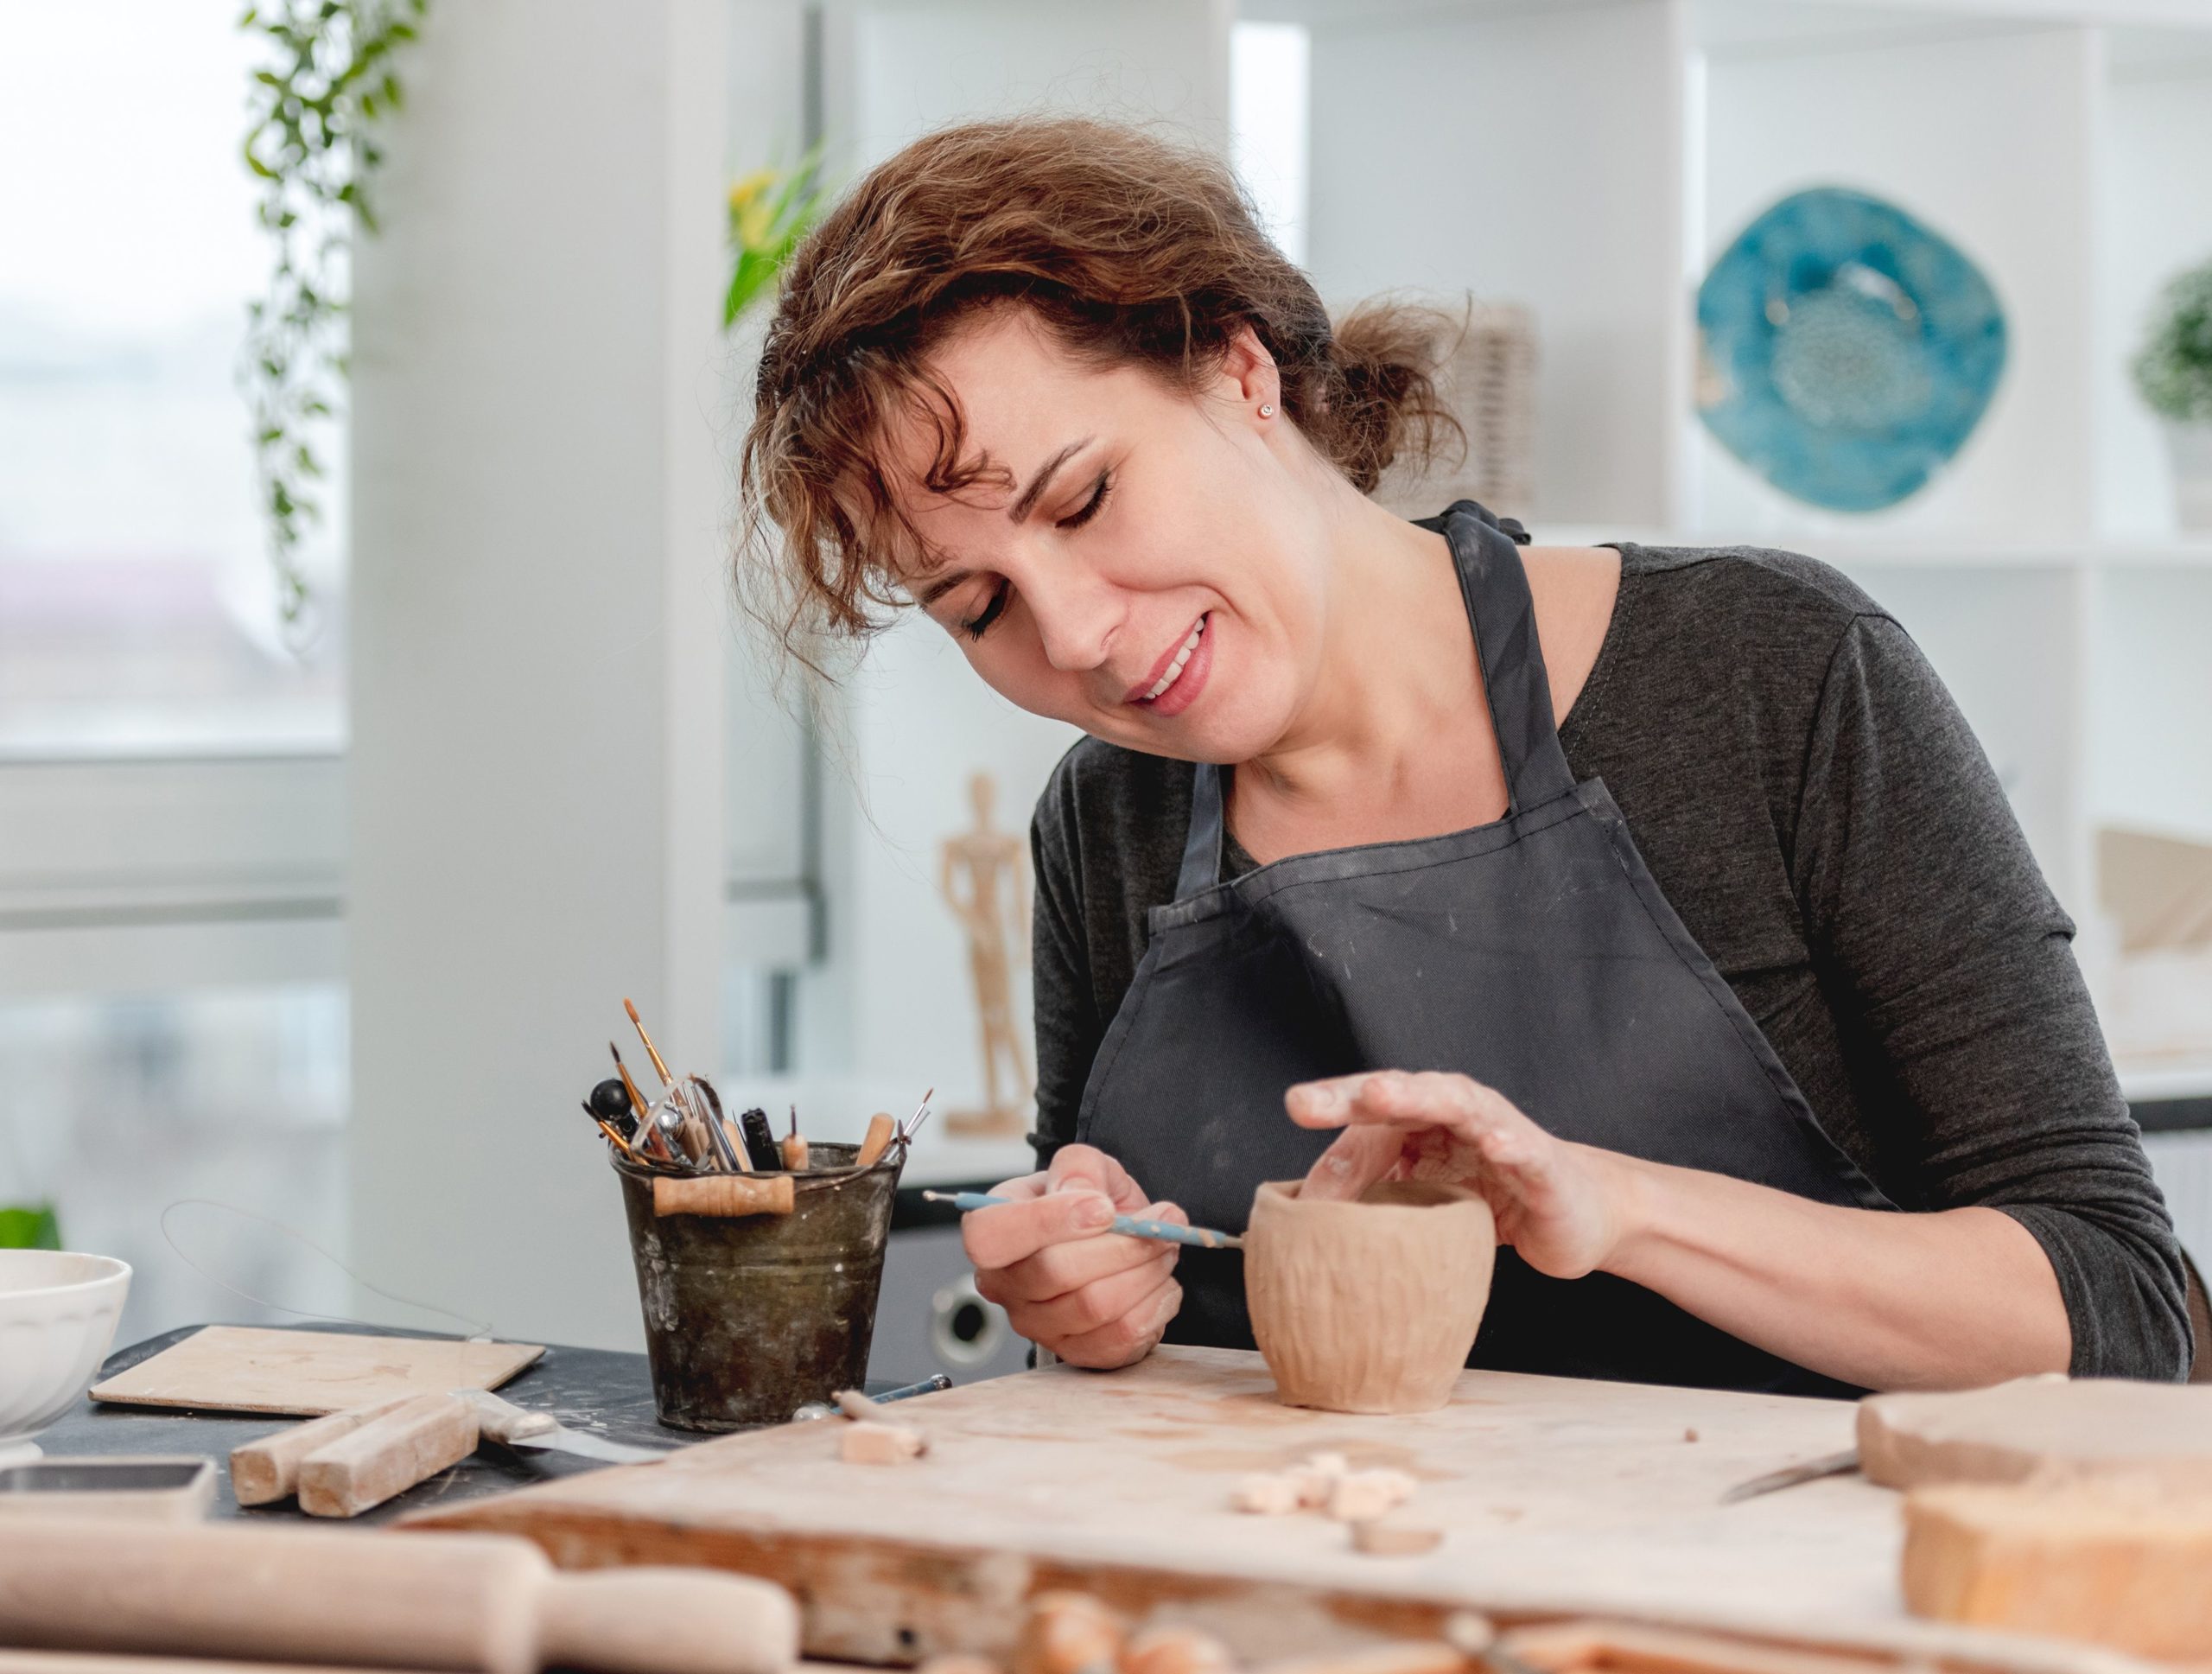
749 191
752 226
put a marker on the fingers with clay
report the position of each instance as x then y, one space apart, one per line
1555 1203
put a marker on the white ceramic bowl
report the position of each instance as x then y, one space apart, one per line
58 1314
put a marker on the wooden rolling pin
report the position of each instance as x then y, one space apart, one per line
724 1194
488 1602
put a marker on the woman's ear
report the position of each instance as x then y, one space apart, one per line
1249 376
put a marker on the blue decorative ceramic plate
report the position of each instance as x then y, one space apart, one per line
1847 352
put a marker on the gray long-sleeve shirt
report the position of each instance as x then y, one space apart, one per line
1813 803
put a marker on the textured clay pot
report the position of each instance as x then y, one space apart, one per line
1367 1306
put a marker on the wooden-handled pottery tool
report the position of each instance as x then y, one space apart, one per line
1203 1237
502 1421
724 1194
292 1593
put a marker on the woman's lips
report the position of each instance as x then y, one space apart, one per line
1180 675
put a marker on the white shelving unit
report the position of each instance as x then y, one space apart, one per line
1590 158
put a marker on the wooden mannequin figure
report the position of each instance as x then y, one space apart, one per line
981 872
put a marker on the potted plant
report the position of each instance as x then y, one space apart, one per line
2173 371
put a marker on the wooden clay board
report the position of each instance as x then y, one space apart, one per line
1558 1496
2041 1427
225 1368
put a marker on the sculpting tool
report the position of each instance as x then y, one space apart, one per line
813 1410
1829 1463
794 1147
1203 1237
875 1141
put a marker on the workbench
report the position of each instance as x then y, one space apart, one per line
1558 1498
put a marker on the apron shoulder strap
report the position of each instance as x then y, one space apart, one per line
1503 615
1202 846
1484 547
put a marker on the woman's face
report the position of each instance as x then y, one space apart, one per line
1155 574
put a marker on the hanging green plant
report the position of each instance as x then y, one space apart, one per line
328 81
770 211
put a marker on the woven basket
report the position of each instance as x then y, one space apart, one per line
1490 385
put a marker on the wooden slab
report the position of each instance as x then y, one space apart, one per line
1558 1497
2044 1428
2127 1563
225 1368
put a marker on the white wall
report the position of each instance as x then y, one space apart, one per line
896 1008
537 641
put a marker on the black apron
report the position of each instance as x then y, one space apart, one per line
1535 954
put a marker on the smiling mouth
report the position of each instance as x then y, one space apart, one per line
1173 671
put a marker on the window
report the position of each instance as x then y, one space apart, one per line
137 613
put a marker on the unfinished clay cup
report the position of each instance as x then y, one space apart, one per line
1372 1306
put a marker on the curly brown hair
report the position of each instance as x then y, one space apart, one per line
1130 248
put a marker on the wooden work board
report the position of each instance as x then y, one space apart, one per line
1558 1496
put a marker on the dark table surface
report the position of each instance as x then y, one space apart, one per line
594 1389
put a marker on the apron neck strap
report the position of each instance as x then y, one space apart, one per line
1495 587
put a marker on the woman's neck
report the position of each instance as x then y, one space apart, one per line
1396 677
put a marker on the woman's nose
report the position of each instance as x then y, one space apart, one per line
1075 616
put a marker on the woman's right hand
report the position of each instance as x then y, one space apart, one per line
1095 1298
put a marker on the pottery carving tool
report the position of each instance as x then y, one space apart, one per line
813 1410
512 1426
794 1149
411 1443
269 1470
1203 1237
1828 1464
875 1141
486 1602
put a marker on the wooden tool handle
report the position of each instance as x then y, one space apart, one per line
794 1150
879 1130
300 1594
667 1622
724 1194
268 1469
388 1455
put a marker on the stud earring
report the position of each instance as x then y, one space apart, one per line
1267 409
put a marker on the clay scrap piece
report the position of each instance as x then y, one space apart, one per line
2124 1563
1176 1651
1268 1494
1068 1633
868 1442
1380 1537
2047 1428
1362 1496
1372 1306
1408 1657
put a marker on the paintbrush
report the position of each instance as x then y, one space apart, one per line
1203 1237
651 1052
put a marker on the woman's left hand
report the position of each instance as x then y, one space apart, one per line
1564 1207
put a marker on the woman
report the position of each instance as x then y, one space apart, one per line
1736 992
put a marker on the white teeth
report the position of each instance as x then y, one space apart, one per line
1181 658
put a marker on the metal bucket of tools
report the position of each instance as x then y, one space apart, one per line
750 1317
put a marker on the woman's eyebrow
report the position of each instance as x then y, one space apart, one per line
943 585
1027 499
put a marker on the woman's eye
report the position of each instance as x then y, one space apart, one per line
994 607
1094 504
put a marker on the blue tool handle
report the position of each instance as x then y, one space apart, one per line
1203 1237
